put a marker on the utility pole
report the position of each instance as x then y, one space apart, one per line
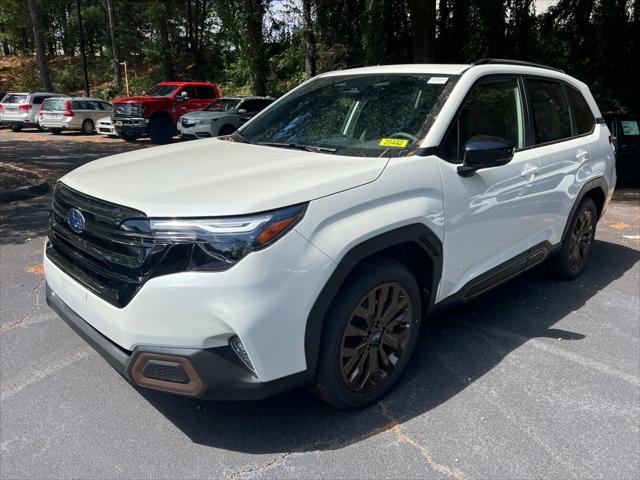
126 77
82 55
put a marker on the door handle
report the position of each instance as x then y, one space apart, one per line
528 172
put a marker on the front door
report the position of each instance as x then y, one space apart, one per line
490 216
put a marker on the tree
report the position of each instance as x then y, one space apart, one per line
423 27
309 40
166 58
254 15
117 68
41 59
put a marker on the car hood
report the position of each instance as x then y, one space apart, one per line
200 115
214 178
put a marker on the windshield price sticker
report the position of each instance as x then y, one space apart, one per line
438 80
394 142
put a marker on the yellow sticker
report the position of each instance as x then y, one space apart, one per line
394 142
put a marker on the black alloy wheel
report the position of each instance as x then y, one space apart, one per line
376 337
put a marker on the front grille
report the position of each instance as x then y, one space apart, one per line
111 261
128 110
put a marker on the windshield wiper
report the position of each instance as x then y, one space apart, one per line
298 146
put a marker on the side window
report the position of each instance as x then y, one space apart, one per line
551 120
250 106
205 92
581 112
38 100
191 91
493 108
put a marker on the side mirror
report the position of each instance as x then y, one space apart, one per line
183 97
485 152
242 110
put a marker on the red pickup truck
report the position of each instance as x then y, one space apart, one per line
157 110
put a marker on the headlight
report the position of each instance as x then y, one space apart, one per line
219 243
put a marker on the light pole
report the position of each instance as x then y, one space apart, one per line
126 77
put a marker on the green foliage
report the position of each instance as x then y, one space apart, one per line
242 43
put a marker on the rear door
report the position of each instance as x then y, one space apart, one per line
569 145
490 216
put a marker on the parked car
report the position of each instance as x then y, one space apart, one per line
20 110
156 111
76 113
105 126
307 247
626 130
221 117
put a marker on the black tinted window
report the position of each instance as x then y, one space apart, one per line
551 120
581 111
190 91
38 100
251 105
493 108
205 92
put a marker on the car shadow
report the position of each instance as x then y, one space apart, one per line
457 347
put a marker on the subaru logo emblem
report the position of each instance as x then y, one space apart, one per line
76 220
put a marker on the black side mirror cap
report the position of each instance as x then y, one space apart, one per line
485 152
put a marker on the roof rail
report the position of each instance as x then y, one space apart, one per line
506 61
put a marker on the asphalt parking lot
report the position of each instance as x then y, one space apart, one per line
537 379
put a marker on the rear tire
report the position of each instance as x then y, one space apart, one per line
87 127
129 137
161 130
572 258
55 131
369 334
16 127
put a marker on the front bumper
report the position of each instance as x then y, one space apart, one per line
211 373
130 125
195 131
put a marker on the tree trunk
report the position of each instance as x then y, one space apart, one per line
117 68
254 11
166 60
423 25
309 40
41 59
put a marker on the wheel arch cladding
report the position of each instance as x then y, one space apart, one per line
415 246
595 189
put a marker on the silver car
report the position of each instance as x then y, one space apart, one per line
75 113
223 116
20 110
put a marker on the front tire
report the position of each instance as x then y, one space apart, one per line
16 127
369 335
161 130
129 137
572 258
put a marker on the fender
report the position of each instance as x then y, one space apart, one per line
418 234
593 184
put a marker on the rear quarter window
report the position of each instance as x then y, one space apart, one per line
582 114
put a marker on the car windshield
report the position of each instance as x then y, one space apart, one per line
160 91
223 105
13 98
54 104
358 115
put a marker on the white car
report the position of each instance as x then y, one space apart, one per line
104 126
307 248
221 117
20 110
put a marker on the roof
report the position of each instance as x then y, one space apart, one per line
248 97
437 68
186 82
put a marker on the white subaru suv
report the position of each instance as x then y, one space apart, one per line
308 247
